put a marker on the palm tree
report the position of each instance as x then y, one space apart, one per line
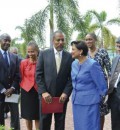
27 33
107 38
61 15
84 26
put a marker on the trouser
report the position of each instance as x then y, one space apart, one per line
59 118
114 102
15 123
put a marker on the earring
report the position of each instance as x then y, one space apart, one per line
80 54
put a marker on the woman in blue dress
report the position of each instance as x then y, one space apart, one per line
89 86
102 57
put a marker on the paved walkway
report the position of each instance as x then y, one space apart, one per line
69 122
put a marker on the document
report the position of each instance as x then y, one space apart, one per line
14 98
54 107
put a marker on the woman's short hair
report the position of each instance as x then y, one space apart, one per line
33 44
81 45
93 35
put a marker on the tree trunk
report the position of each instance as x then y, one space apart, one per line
51 23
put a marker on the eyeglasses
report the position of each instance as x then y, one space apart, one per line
58 40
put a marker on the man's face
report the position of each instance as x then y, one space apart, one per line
118 47
59 41
5 43
14 51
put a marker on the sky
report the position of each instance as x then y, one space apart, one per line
14 12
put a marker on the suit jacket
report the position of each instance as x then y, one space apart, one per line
46 73
114 65
88 81
27 70
9 77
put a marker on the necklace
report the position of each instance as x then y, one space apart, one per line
92 53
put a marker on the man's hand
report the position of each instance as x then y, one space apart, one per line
63 98
9 92
47 97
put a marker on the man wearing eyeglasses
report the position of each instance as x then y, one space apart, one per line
114 89
54 80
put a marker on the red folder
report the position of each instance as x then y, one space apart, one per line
54 107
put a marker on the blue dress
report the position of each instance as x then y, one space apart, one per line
89 85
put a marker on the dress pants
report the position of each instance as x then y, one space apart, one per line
59 118
115 110
15 123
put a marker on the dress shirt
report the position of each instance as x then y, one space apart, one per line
55 52
117 80
58 57
115 86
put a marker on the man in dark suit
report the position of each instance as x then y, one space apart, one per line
114 89
9 79
54 80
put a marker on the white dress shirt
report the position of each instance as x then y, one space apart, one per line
115 86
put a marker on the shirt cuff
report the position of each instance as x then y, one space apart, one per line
13 88
3 90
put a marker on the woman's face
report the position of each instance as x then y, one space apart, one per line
90 41
75 52
32 52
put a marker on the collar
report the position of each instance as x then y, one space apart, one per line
2 51
55 51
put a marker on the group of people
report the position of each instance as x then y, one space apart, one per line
86 73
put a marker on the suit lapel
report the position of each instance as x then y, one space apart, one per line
53 61
3 61
114 65
12 62
63 61
10 57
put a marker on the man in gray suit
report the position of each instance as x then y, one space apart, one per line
9 79
114 89
54 80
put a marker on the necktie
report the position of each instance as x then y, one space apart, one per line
6 59
58 61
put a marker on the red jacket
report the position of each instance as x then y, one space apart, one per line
27 70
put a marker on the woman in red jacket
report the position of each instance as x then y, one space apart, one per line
29 94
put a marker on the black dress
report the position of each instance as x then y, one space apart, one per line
29 104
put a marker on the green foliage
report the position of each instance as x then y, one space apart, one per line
64 15
21 47
4 128
97 22
61 15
